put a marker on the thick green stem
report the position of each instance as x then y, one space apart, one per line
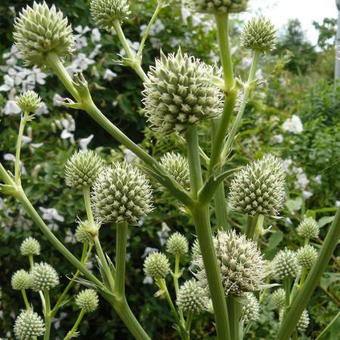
299 303
73 330
24 296
87 201
251 226
234 308
287 283
23 121
48 318
121 240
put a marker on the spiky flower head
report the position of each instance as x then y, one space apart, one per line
87 300
195 250
121 193
177 244
30 246
41 30
241 264
220 6
28 325
308 228
285 264
82 169
28 101
82 234
178 93
258 189
250 309
258 35
278 298
156 265
44 276
106 12
178 167
192 298
307 256
21 279
303 322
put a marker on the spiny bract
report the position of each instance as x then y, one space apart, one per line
156 265
21 279
307 256
40 30
30 246
242 266
178 167
250 308
82 169
278 298
222 6
177 244
258 189
308 228
178 93
44 276
258 35
87 300
106 12
28 101
121 193
285 265
28 325
191 297
81 234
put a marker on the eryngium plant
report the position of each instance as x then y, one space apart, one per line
180 93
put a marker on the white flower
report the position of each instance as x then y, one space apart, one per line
277 139
148 250
58 100
69 126
337 204
70 237
155 29
109 75
185 13
11 158
84 142
11 108
286 164
26 140
133 45
129 155
148 280
301 179
81 40
246 62
95 52
318 179
293 125
80 63
307 194
164 233
8 83
51 214
42 110
95 35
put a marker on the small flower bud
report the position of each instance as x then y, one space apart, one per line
40 30
177 244
44 277
191 297
303 322
28 325
250 309
30 246
29 101
220 6
87 300
121 193
21 279
258 189
308 229
285 264
278 298
307 256
106 12
82 169
178 167
178 93
258 35
82 235
156 265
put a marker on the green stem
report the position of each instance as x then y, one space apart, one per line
234 309
121 240
188 324
287 282
328 327
48 318
73 330
23 121
299 303
221 208
303 277
4 175
87 201
251 226
176 275
27 305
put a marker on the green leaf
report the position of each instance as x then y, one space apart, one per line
274 240
294 205
328 278
325 220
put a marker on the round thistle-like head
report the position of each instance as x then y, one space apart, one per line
82 169
28 325
278 298
106 12
44 276
250 309
177 244
178 167
28 101
220 6
40 30
303 322
178 93
307 256
192 298
258 35
156 265
258 189
30 246
195 250
21 279
308 229
121 193
285 264
241 264
82 235
87 300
